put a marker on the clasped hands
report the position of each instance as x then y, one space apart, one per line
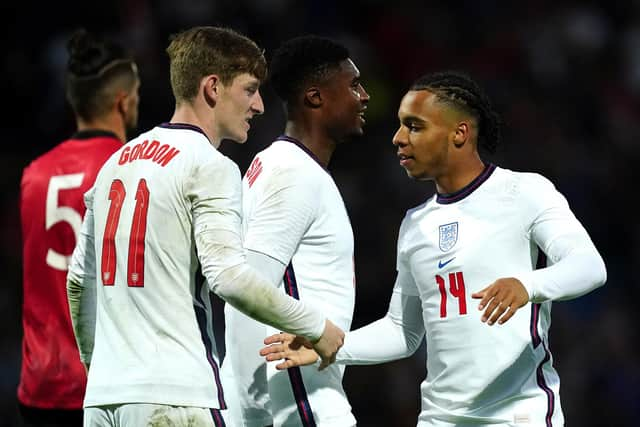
500 301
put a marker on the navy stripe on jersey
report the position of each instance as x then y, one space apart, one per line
201 317
295 375
218 421
536 341
445 199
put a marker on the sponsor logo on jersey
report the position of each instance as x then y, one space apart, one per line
448 236
442 264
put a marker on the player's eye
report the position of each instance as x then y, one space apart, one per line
413 127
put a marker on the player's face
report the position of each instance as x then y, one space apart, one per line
345 101
237 103
423 139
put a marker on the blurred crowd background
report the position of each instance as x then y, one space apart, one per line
564 75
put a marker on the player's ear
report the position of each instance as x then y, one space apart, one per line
460 135
122 102
210 86
313 97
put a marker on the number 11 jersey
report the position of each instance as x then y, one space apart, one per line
154 338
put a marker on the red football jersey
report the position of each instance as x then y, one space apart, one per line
51 211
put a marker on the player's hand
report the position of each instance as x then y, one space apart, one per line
329 343
502 299
296 351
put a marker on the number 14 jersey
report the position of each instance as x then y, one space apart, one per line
453 246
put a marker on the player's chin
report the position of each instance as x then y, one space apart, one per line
357 131
240 137
413 173
418 176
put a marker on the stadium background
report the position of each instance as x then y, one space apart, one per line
564 75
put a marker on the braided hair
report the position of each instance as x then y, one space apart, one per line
96 67
461 92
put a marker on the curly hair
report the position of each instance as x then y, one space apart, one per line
301 61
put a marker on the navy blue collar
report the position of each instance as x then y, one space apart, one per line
446 199
302 147
186 126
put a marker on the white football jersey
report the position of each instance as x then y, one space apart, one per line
293 212
458 244
154 338
503 224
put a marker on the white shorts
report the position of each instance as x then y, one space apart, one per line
148 414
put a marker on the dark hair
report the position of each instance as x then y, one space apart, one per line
95 67
201 51
460 91
303 60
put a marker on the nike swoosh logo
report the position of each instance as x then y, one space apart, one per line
442 264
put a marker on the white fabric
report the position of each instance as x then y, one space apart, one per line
252 406
245 290
294 213
477 373
82 310
146 414
82 299
401 330
155 343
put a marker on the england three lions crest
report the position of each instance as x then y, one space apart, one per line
448 236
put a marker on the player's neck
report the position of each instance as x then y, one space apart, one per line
187 114
107 123
319 144
459 176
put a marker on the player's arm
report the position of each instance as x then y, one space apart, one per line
397 335
215 198
575 266
81 286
